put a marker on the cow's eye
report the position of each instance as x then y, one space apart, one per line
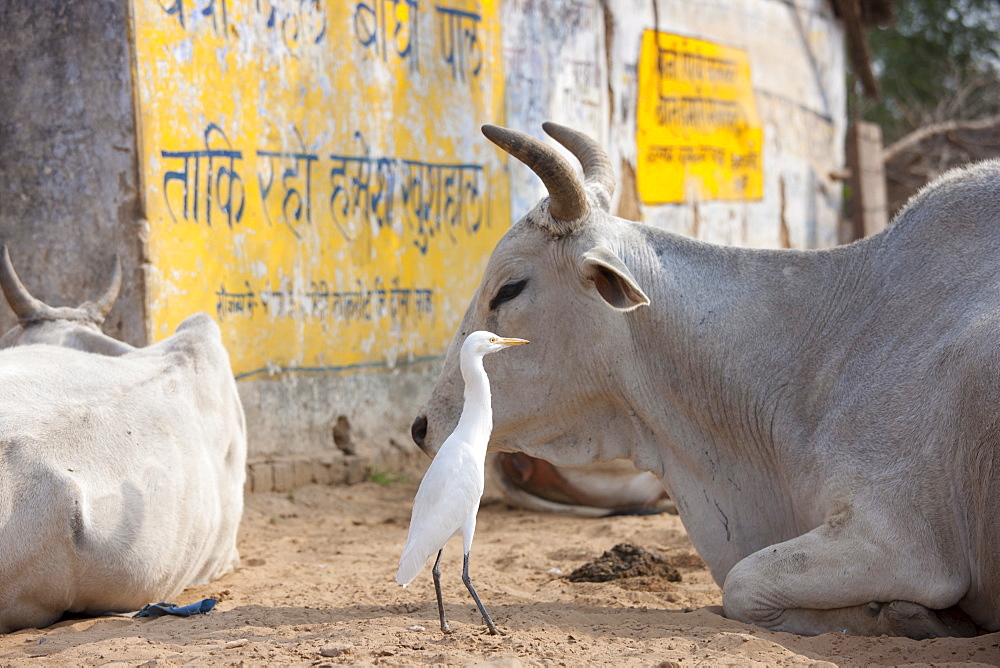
507 292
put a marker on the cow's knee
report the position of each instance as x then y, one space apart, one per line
750 596
744 597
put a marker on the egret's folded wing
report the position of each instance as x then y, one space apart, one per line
448 494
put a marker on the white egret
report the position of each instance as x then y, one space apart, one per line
448 497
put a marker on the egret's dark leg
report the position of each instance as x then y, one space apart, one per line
472 590
436 572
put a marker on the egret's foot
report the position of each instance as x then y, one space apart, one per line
494 631
444 627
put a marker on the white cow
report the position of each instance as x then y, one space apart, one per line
595 490
121 477
826 421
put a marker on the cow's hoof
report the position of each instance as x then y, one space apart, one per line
914 621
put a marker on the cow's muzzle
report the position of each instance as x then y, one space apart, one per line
418 430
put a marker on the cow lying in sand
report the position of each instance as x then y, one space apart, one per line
121 469
826 421
595 490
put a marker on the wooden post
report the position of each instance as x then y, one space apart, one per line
869 211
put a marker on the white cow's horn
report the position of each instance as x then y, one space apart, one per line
105 302
21 302
596 163
568 199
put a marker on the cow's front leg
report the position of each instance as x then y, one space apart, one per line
845 579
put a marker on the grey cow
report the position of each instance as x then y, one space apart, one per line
826 421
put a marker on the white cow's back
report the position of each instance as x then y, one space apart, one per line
121 478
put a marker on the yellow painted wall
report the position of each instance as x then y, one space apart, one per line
314 174
698 134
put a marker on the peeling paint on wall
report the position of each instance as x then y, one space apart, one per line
555 60
315 175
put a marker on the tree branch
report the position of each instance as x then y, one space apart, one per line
920 134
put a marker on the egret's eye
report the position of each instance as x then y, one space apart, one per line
507 292
493 339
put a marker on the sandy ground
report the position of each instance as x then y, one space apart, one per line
316 588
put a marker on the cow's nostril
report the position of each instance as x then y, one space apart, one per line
419 430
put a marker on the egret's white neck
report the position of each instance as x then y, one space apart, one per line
477 413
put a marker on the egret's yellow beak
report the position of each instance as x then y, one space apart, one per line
513 342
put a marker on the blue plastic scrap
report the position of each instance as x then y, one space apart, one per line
158 609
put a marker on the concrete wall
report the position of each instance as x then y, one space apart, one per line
69 194
269 163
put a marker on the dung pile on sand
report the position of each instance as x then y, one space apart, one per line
625 561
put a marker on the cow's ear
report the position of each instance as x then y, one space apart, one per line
612 279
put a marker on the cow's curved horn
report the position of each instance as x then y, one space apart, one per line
596 163
568 199
106 301
20 300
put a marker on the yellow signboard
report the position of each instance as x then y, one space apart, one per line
698 134
314 174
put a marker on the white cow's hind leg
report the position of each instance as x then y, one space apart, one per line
833 580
